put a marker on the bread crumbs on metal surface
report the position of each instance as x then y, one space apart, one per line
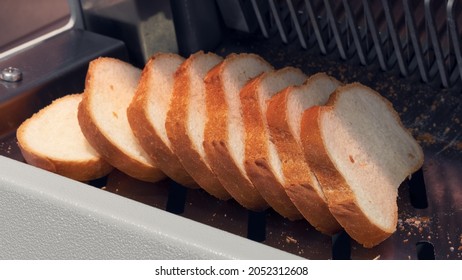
290 239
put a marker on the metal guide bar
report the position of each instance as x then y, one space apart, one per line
416 38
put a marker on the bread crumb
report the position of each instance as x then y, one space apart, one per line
451 249
290 239
377 257
115 115
426 138
351 159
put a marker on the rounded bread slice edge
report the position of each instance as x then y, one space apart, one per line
301 185
262 162
81 170
103 143
216 145
342 200
140 120
177 131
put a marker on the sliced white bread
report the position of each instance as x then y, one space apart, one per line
261 161
52 140
284 115
360 152
147 114
224 129
186 117
109 88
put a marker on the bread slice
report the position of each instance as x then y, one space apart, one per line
186 120
224 129
284 115
147 114
360 152
261 161
109 88
52 140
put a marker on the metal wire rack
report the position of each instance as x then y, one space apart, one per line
414 37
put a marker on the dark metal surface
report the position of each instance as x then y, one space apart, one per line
21 23
53 68
145 26
197 25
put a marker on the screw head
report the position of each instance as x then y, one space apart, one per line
11 74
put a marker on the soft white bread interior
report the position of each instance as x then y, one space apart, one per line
109 88
360 152
147 115
262 163
284 115
186 117
224 129
52 140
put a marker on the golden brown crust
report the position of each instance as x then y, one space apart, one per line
222 163
341 201
78 170
108 150
299 182
147 135
256 154
182 145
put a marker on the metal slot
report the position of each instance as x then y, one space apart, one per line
176 198
256 226
425 251
341 246
417 190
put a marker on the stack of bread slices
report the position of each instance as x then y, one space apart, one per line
308 147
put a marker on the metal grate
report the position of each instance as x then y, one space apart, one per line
413 37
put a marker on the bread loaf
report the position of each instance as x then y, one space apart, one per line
52 140
109 88
238 129
360 153
147 115
284 115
